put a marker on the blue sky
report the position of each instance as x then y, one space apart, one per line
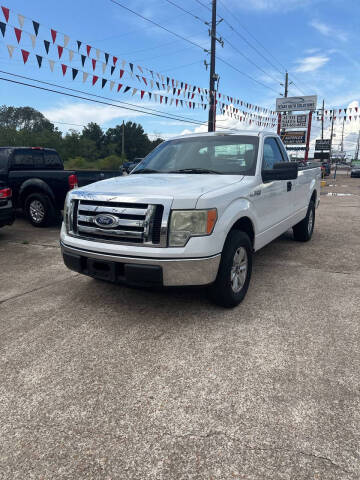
316 40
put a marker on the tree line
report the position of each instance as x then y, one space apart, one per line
92 148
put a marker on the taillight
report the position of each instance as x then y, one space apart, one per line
73 181
5 192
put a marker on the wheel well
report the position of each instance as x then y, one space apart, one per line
314 196
245 225
29 191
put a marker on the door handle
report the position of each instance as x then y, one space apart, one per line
289 186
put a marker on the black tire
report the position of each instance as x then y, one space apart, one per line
222 291
303 230
40 210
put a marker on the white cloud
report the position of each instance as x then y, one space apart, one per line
329 31
312 63
271 5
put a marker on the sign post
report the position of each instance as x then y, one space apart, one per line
308 138
279 123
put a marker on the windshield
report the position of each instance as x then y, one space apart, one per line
226 155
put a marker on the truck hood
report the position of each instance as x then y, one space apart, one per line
183 189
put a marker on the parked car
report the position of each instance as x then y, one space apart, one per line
355 171
7 212
39 182
193 213
130 165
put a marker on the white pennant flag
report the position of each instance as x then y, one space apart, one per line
177 83
155 97
123 63
171 101
112 83
85 76
97 53
162 78
11 49
103 67
134 91
152 84
168 89
66 40
51 65
21 19
33 39
71 55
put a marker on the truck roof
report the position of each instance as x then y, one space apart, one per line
223 133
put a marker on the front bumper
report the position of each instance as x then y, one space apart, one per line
142 271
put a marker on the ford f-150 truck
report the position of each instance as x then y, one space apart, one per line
192 213
39 182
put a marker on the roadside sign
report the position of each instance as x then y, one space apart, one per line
323 144
294 137
294 121
290 104
321 155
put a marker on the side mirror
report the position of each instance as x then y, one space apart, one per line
281 171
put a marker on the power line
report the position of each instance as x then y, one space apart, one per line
158 25
186 11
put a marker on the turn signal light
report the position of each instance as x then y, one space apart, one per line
73 182
211 220
5 193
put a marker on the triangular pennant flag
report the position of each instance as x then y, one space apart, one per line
121 72
53 35
134 91
6 13
60 50
75 71
33 39
155 97
85 76
138 77
119 87
152 84
112 69
71 55
66 40
51 65
149 93
106 58
158 85
166 99
63 68
131 67
88 49
25 55
36 26
78 44
39 59
123 63
83 58
103 67
126 89
3 28
94 79
171 101
47 45
97 54
103 82
115 59
176 102
18 33
21 20
112 83
182 102
11 49
93 61
141 70
142 94
144 80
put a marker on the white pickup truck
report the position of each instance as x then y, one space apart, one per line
193 212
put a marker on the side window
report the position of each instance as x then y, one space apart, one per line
271 154
283 151
4 156
52 160
23 159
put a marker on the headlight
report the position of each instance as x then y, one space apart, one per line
190 223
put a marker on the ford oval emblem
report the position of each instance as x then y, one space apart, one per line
106 221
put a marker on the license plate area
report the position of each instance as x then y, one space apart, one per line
102 269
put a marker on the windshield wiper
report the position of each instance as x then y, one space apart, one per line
145 170
193 170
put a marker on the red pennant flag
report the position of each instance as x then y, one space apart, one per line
18 33
142 94
25 55
350 118
356 109
177 101
144 80
189 104
6 13
94 79
121 73
53 35
60 50
119 87
179 91
63 68
88 49
161 98
185 86
115 59
340 110
93 63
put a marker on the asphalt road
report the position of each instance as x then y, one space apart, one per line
105 382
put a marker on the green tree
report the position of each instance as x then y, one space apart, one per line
137 143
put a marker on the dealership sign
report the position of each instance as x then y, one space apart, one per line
294 138
323 144
290 104
294 121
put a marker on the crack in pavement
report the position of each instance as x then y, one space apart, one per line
256 264
261 449
37 289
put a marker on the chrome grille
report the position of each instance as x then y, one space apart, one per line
136 223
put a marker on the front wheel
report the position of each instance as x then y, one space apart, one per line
233 278
303 231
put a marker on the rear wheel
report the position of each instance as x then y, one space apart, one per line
303 231
233 278
40 210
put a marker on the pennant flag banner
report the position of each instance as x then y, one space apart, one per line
3 28
47 45
36 26
53 35
63 68
25 55
39 59
6 13
74 73
11 49
21 20
18 33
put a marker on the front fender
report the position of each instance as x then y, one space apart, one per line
239 208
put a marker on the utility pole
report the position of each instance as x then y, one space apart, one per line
123 140
286 89
213 76
322 120
331 136
356 157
